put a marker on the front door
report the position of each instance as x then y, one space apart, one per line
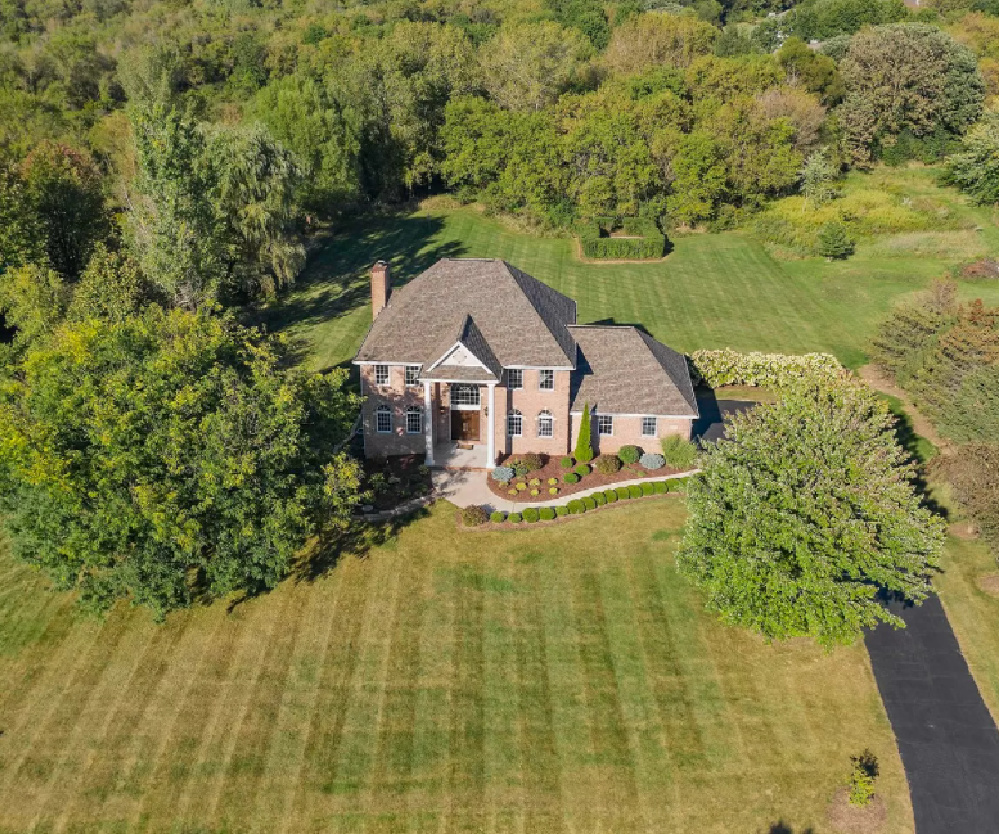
465 425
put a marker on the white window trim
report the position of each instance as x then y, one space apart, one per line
520 385
383 409
388 375
550 420
416 382
605 417
642 426
552 371
465 406
520 423
410 411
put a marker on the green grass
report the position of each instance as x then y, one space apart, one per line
712 291
556 679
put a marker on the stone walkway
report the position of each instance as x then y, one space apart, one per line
466 488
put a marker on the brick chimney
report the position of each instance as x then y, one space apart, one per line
381 287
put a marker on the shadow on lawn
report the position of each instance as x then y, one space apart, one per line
781 828
335 281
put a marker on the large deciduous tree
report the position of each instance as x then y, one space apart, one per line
166 458
906 76
805 513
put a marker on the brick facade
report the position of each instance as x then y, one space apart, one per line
398 396
627 431
531 401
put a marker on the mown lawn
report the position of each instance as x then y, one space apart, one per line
712 291
556 679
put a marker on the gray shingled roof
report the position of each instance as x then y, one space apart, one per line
485 303
621 370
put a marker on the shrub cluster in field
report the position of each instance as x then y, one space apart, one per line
474 516
647 241
797 224
763 370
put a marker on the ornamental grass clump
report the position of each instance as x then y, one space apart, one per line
829 517
474 516
607 464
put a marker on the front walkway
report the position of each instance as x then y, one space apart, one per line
945 734
465 488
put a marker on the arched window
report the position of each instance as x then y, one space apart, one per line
545 424
383 419
414 420
514 423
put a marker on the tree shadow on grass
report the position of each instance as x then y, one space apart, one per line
357 540
780 827
335 281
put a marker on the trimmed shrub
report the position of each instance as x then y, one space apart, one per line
622 493
566 462
582 469
590 503
647 488
635 491
610 496
600 499
678 484
496 517
512 491
553 481
553 490
474 516
678 451
534 482
562 510
503 474
584 448
530 515
521 486
647 241
570 478
629 454
762 370
546 513
534 493
576 506
607 464
514 518
650 460
659 487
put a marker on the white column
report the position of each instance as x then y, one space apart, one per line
491 433
428 424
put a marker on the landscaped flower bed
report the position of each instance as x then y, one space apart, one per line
477 517
563 477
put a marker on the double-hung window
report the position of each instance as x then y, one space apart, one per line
414 420
514 424
383 419
649 427
547 379
545 424
515 378
381 374
412 374
605 424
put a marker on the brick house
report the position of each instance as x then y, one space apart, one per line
473 360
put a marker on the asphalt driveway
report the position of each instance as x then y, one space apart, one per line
945 734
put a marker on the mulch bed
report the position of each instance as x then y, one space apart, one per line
552 469
403 477
855 819
504 526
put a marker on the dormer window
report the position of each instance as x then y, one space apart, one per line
412 374
381 374
547 380
515 378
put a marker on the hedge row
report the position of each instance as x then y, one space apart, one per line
651 244
590 502
763 370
